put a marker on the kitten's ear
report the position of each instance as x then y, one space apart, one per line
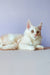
40 26
28 24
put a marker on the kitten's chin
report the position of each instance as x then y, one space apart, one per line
34 38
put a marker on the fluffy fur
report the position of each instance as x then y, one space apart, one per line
29 41
32 38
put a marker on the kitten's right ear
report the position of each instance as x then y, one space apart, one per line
28 24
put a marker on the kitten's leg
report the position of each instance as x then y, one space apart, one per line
26 47
39 47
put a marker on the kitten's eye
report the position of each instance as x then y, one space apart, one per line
37 32
32 31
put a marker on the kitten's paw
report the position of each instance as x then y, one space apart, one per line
42 47
39 47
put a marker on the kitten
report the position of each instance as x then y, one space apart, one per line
29 41
32 38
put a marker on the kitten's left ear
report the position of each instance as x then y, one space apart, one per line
40 26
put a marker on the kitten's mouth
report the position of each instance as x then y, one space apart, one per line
35 37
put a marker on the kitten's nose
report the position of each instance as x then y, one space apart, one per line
35 35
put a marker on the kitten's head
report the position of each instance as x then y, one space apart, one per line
33 31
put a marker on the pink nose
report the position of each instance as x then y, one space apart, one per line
35 35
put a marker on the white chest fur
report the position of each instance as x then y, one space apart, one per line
27 40
27 43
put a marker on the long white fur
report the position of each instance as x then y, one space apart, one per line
9 41
22 42
28 42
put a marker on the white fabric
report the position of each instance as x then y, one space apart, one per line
25 62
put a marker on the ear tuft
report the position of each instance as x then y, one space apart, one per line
28 24
40 26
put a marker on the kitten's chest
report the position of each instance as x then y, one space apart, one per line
36 42
29 41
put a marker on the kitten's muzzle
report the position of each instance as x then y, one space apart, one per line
35 35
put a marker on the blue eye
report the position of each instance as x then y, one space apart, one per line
32 31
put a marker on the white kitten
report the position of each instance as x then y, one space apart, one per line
29 41
32 38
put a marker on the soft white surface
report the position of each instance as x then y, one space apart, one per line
25 62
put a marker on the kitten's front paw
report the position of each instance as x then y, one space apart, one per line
39 47
42 47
